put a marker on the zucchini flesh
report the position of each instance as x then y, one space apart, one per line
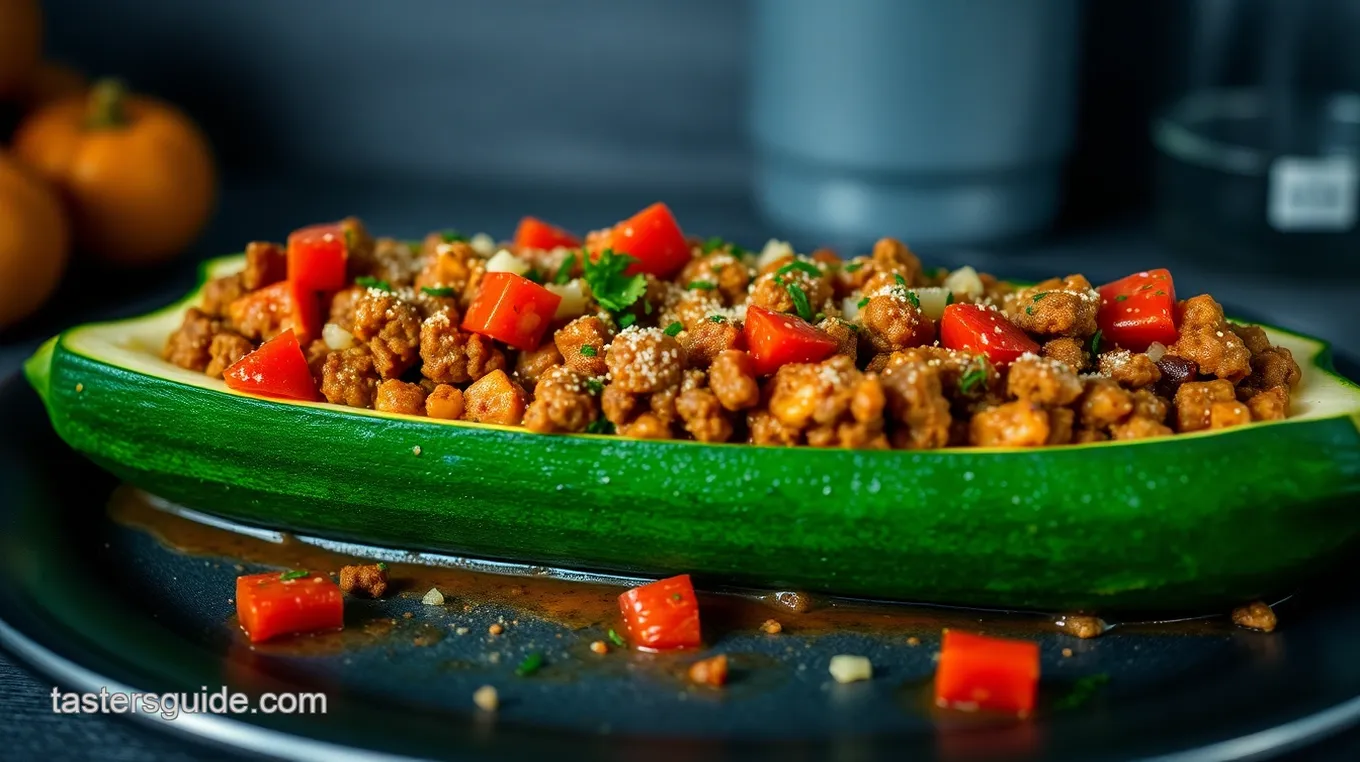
1192 522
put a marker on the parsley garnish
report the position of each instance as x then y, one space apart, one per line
600 425
900 280
971 379
436 290
451 236
294 574
368 281
588 351
914 299
1145 287
853 266
948 298
616 639
701 285
534 276
716 318
677 597
530 665
674 329
415 246
1082 691
713 244
819 317
608 284
1159 293
627 320
1029 310
1038 297
798 264
1095 342
800 300
594 386
564 271
1121 298
349 239
863 302
382 566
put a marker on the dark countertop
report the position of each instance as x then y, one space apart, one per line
1310 302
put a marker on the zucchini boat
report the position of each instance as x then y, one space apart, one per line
1193 522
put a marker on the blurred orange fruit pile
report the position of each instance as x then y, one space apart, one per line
126 179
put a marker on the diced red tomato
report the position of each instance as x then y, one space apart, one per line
775 339
663 615
317 257
978 672
511 308
974 328
277 369
655 239
277 603
1138 310
534 233
306 306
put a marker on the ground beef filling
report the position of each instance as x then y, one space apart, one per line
676 363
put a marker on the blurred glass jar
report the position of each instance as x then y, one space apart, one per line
1259 154
941 122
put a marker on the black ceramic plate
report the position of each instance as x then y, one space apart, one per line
93 603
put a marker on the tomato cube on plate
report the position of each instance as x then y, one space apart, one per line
1139 309
318 256
977 672
775 339
534 233
663 615
512 309
277 369
978 329
654 239
287 603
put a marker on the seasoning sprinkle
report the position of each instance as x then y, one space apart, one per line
800 300
600 425
563 273
293 574
971 379
799 264
368 281
531 664
1122 298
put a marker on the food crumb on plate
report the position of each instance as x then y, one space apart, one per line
848 668
486 698
1067 653
1082 626
433 598
711 671
1255 616
913 641
415 450
496 628
407 615
599 647
771 627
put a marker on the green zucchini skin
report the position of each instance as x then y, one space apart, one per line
1184 524
1188 523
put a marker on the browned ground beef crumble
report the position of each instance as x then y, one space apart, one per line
889 383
